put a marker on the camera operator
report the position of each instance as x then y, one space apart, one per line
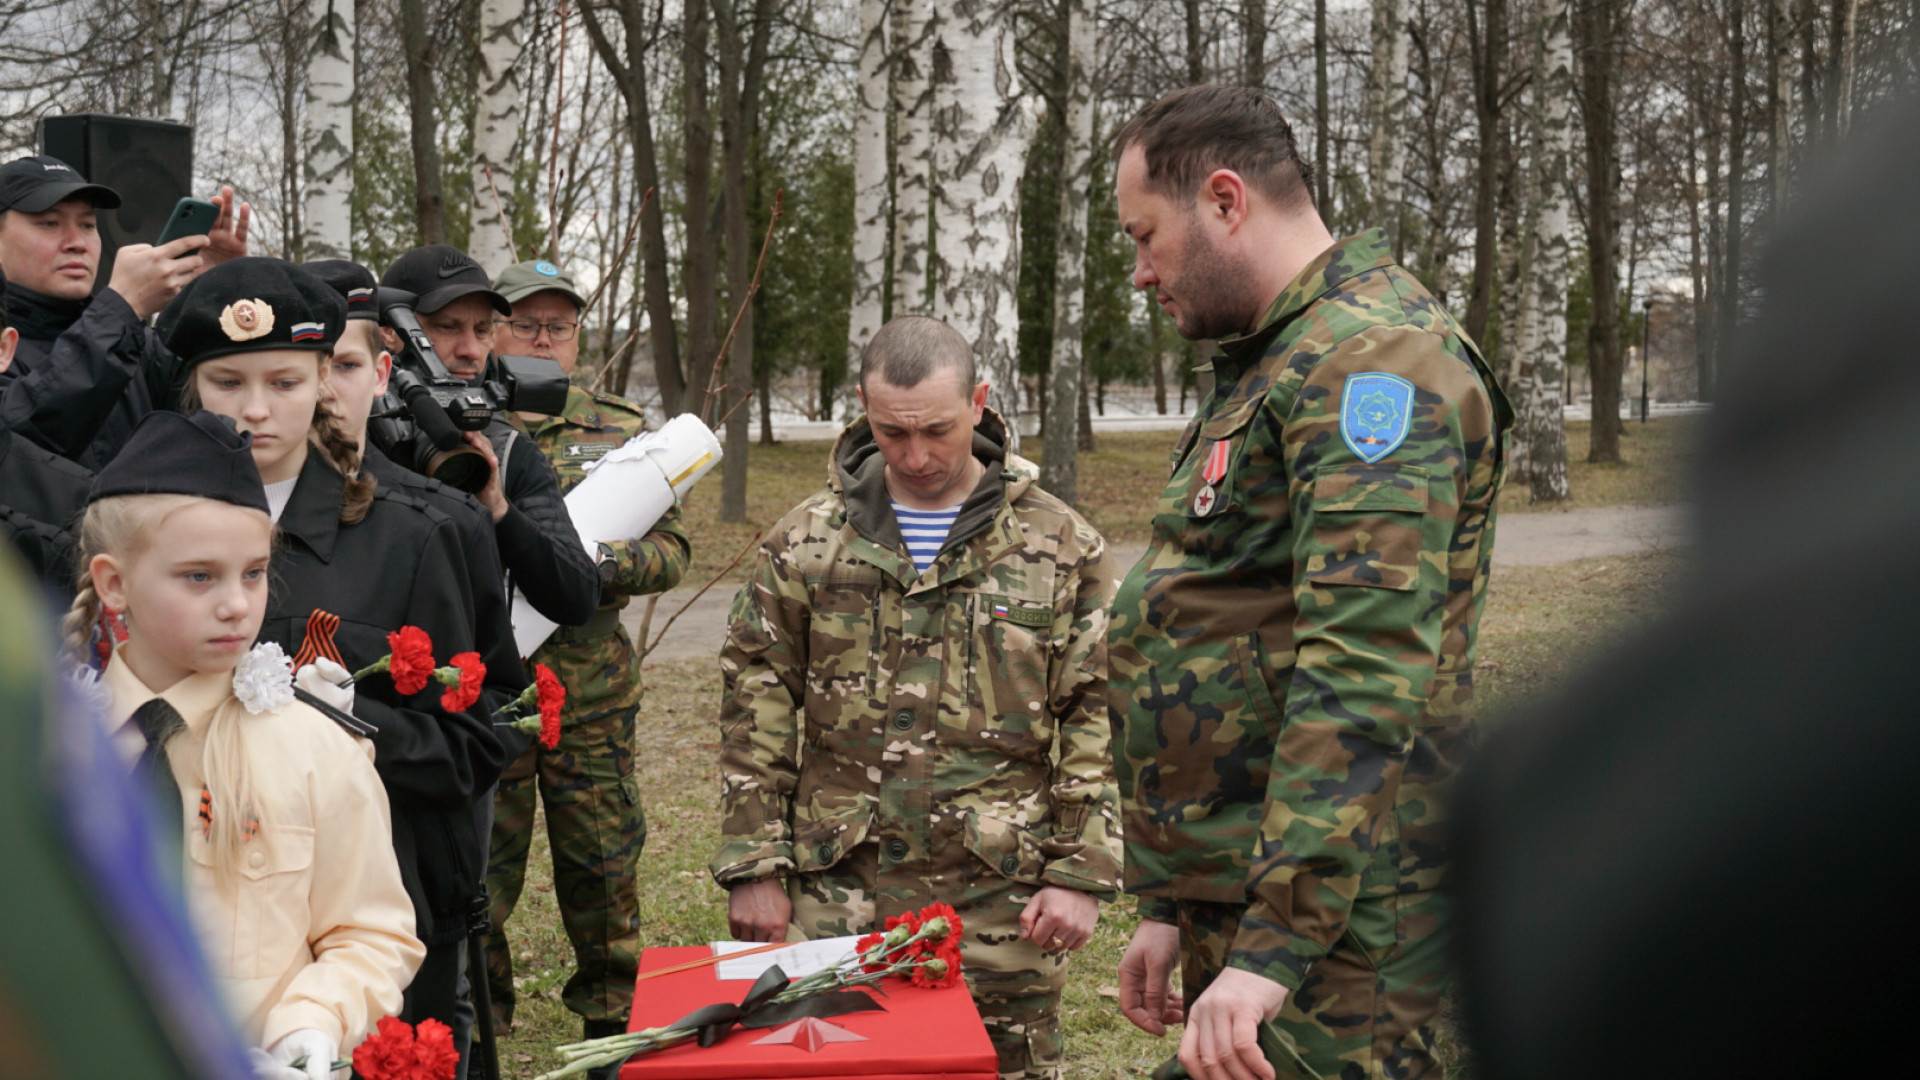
88 368
539 547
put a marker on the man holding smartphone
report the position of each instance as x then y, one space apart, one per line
88 367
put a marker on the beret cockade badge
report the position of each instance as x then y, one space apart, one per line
244 320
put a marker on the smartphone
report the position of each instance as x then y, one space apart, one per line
190 217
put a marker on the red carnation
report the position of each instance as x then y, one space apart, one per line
935 972
470 673
412 663
434 1055
552 697
865 946
942 911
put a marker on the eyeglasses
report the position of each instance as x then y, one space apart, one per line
528 329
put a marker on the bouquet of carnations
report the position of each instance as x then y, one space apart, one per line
409 662
546 697
922 947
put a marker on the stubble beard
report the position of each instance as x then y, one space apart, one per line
1216 298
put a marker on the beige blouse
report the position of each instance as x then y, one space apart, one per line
316 930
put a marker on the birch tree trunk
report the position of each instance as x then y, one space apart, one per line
1840 78
490 236
1060 471
913 153
329 130
870 221
981 129
1779 100
1729 305
1387 111
1546 323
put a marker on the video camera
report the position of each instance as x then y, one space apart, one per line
419 421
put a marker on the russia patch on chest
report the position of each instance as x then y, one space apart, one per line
1376 412
589 451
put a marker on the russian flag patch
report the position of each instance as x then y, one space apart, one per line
359 294
309 331
1002 611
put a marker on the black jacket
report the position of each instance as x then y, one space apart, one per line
41 496
85 373
493 622
402 566
539 546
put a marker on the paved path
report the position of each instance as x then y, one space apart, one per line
1539 539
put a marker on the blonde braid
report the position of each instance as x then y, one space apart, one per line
356 497
76 629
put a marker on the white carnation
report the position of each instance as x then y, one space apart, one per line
263 681
89 694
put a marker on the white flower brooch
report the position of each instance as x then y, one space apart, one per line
263 681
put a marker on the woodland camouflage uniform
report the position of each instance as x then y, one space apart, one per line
595 825
892 737
1292 660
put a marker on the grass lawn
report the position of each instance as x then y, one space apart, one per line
1540 622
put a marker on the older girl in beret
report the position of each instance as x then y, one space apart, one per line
357 562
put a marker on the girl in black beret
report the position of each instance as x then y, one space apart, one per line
358 561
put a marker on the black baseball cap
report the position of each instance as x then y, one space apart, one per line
439 274
170 454
33 185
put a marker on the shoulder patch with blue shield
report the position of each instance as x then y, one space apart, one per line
1376 412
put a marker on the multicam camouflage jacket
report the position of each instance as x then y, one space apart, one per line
1293 654
956 718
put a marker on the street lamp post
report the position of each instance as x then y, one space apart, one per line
1646 354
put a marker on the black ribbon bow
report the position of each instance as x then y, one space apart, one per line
759 1010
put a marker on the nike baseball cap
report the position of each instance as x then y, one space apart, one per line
521 280
34 185
439 274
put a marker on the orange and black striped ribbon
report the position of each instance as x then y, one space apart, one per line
319 640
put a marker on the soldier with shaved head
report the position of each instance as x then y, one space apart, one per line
915 700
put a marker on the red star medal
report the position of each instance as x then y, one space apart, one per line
1212 473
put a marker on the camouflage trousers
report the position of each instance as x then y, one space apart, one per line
1366 1009
1016 985
595 829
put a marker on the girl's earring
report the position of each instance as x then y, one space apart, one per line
114 626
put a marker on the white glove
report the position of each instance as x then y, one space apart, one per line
322 679
317 1049
265 1068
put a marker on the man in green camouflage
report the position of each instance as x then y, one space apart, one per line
915 702
595 826
1293 656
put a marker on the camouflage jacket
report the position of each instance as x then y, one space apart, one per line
956 718
595 662
1292 655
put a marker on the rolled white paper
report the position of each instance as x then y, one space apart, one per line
624 495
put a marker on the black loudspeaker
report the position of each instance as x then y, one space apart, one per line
149 162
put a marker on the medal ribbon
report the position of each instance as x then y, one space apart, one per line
1216 469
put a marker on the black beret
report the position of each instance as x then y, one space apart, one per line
170 454
352 281
252 305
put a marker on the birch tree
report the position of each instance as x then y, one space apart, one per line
980 130
914 21
1387 112
870 220
1543 349
1060 470
490 238
329 130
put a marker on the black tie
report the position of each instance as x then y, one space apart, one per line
158 722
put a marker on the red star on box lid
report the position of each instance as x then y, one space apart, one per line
809 1034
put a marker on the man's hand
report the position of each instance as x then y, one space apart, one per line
228 237
1222 1041
759 910
494 495
148 277
1059 920
1146 978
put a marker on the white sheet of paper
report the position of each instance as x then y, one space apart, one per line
797 960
